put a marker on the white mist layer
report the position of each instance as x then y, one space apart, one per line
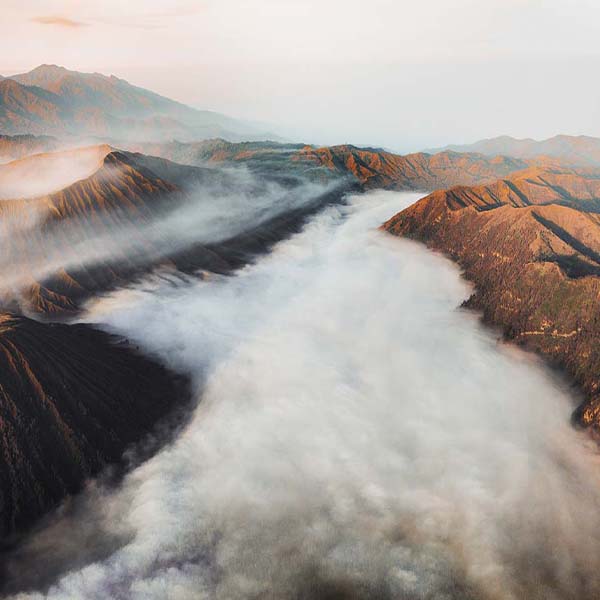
358 436
40 174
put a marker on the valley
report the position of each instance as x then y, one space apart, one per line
234 365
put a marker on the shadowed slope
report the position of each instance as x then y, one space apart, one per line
71 401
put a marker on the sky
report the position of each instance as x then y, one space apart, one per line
405 75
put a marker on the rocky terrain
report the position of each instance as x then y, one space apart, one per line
72 400
531 245
52 100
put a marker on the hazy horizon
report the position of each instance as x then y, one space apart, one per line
405 76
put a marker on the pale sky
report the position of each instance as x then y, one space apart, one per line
394 73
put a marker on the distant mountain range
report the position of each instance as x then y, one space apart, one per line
582 150
51 100
370 167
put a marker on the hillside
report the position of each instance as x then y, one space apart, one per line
52 100
531 245
71 401
577 150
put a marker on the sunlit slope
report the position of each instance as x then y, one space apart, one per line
531 244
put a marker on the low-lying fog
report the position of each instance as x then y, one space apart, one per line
358 436
45 173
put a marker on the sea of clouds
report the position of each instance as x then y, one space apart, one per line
357 436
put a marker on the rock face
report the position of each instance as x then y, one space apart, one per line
71 401
578 150
371 168
531 245
55 101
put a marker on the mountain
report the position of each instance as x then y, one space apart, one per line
531 245
370 167
577 150
52 100
72 400
84 221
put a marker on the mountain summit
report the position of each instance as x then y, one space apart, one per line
53 100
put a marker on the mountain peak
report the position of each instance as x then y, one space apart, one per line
49 68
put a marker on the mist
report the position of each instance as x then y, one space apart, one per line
357 435
41 174
223 204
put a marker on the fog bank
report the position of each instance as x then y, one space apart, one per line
357 436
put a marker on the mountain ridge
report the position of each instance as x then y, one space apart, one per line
56 101
577 150
533 253
72 400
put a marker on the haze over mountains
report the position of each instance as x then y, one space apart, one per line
197 227
582 149
53 100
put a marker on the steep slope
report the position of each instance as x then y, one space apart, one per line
53 100
578 150
372 168
71 401
535 263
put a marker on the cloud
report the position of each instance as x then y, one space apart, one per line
58 21
358 437
223 205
